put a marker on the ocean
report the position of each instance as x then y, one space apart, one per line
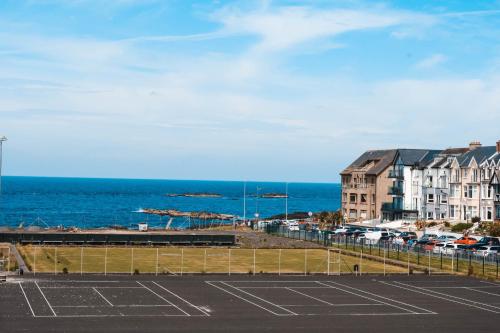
100 203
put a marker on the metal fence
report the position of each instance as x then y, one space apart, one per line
437 260
189 260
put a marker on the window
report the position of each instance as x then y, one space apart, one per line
453 211
454 191
465 172
363 198
353 213
443 216
373 198
353 198
498 211
344 197
363 214
430 215
489 213
465 192
474 175
430 198
444 199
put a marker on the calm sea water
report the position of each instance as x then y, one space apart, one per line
91 203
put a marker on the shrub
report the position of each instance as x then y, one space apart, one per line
459 227
432 224
494 229
447 224
136 271
476 219
65 270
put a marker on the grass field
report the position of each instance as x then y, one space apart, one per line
178 260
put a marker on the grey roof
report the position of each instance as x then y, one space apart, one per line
383 159
480 154
417 157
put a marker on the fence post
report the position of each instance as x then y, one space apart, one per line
398 251
408 257
360 260
305 261
384 260
452 262
418 255
496 259
279 262
254 250
229 261
8 260
370 245
483 264
34 261
470 263
106 261
182 260
132 262
55 260
429 254
457 261
328 263
156 267
81 260
441 265
205 261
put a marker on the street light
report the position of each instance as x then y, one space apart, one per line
2 139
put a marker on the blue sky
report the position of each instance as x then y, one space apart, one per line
264 90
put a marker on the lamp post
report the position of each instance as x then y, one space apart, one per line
2 139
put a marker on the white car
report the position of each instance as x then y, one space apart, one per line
451 248
441 247
294 226
341 230
488 250
446 238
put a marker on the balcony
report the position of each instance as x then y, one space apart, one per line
496 198
398 174
391 207
395 190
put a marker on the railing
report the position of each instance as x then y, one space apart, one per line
395 174
430 260
395 190
390 206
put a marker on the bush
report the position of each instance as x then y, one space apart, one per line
432 224
136 271
447 224
494 229
459 227
476 219
65 270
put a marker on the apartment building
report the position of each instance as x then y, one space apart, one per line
436 184
495 184
467 200
406 189
364 185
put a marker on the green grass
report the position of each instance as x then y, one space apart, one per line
178 260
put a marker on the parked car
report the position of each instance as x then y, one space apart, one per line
451 248
466 240
488 250
426 238
446 238
440 247
407 235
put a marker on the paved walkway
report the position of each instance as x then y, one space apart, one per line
19 258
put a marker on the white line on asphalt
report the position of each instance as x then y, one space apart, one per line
50 306
32 312
194 306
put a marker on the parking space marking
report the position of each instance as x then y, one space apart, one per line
443 296
360 292
104 298
182 299
309 296
482 291
27 301
163 298
46 300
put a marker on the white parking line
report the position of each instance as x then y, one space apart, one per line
483 292
309 296
439 295
104 298
50 306
163 298
27 301
212 283
182 299
359 292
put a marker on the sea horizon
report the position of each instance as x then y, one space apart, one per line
103 202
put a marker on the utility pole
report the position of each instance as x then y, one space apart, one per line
2 139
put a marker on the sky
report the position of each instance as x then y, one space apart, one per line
241 90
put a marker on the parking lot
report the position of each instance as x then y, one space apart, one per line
245 303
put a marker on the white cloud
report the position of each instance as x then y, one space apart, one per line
431 61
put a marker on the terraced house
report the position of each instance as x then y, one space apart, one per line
455 184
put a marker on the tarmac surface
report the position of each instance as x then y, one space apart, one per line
267 303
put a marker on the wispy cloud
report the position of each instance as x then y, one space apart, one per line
431 61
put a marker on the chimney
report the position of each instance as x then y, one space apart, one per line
498 146
474 144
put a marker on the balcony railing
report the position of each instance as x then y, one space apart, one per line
391 206
496 198
396 174
357 186
395 190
